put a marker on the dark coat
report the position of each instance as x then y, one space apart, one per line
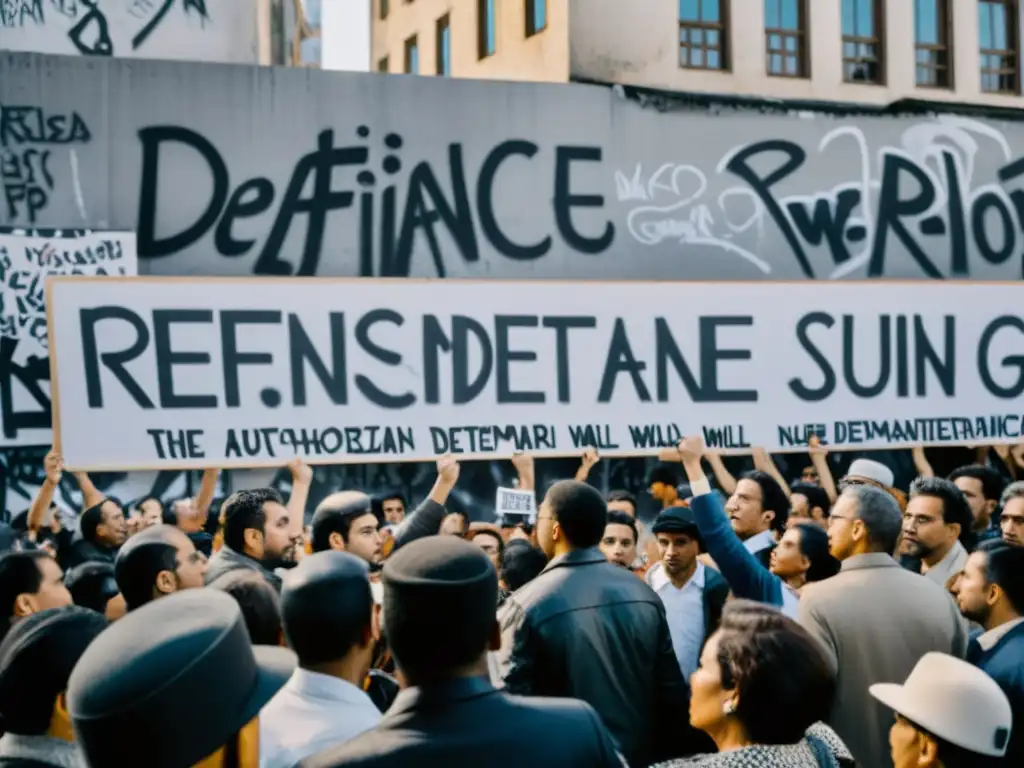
468 722
590 630
1004 663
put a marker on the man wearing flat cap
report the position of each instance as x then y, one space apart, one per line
440 595
174 684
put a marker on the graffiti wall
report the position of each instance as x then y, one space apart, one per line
233 170
194 30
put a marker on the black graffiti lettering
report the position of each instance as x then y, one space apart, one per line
504 356
369 390
335 381
828 223
991 201
232 359
163 319
436 341
28 377
957 226
91 34
565 201
620 359
740 164
562 325
112 361
485 203
458 218
239 206
893 208
187 5
14 12
31 125
988 336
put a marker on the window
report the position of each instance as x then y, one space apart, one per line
412 56
443 45
486 32
932 36
998 40
383 9
863 41
536 16
785 33
382 65
702 34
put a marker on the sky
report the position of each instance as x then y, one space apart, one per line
345 35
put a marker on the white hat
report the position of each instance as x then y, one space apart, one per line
872 470
953 700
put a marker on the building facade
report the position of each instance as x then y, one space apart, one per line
862 51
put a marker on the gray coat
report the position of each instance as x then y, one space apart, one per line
875 620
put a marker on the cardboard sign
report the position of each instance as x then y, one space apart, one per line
253 371
512 504
25 264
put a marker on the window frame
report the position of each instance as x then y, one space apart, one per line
412 43
878 39
442 25
1013 37
384 65
945 45
803 36
722 27
531 17
482 30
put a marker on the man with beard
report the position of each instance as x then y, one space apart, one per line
158 561
257 536
694 595
937 517
991 593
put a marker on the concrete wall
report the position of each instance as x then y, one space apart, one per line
214 165
638 43
192 30
543 57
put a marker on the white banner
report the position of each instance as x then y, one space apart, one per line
512 504
253 371
25 263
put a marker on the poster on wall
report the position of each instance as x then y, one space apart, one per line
234 372
26 261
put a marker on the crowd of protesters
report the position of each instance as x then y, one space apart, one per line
753 622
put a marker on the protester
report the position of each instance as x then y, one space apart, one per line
158 561
791 564
328 614
521 563
440 595
259 603
693 594
936 519
103 529
757 510
174 683
454 524
991 592
393 506
36 660
345 522
948 715
257 536
620 539
1011 519
874 619
809 503
761 692
29 582
868 472
93 586
489 540
587 629
982 487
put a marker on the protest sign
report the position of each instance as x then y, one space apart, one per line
512 504
25 263
252 371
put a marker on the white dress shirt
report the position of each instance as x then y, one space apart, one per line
759 541
684 609
311 712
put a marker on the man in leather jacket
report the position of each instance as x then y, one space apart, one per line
587 629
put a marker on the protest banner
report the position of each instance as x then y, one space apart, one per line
26 261
512 505
179 372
